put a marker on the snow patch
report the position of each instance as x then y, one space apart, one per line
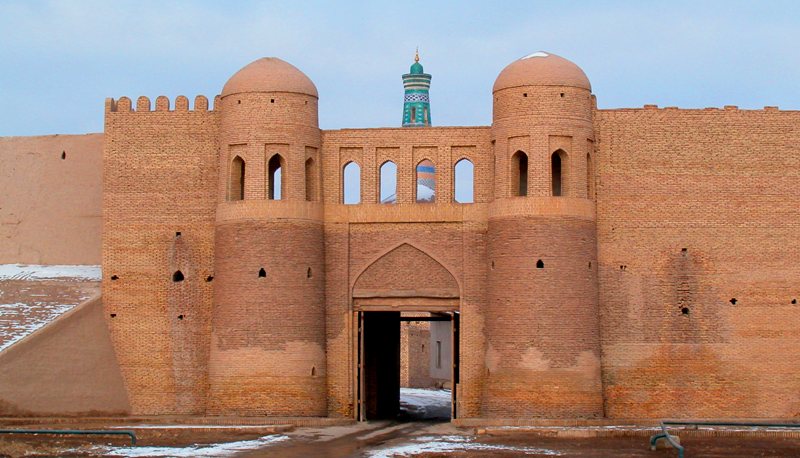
40 272
536 54
19 320
450 444
420 397
223 449
425 403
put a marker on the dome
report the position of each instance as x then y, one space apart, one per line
541 69
269 74
416 69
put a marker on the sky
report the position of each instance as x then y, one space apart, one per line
60 59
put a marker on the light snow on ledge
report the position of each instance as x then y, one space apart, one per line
223 449
39 272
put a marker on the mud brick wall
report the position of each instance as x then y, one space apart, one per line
159 180
51 204
698 223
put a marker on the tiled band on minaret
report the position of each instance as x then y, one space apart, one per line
416 104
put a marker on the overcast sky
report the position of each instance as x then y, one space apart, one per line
60 59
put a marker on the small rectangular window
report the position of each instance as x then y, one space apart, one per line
438 354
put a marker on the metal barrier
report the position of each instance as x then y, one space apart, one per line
674 443
86 432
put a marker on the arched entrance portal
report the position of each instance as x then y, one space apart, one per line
405 284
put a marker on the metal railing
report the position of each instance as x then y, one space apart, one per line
675 444
84 432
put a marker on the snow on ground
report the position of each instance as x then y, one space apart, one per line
450 444
222 449
425 403
19 320
29 299
39 272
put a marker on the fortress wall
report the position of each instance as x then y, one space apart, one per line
697 208
51 207
160 178
406 147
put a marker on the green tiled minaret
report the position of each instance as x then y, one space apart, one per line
416 105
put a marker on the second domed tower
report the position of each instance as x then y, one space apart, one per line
543 351
268 337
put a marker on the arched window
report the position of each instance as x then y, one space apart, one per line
589 177
275 177
464 182
556 169
519 174
236 190
426 182
388 184
413 114
311 180
351 183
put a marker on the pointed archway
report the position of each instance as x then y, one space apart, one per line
402 279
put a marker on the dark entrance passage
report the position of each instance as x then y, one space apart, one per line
381 361
379 368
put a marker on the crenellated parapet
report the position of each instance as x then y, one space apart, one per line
162 104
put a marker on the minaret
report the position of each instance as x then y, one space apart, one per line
416 105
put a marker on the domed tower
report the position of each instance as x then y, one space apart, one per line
543 351
268 333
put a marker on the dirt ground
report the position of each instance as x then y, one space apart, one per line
423 439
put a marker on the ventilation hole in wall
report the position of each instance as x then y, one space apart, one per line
271 100
524 94
63 155
262 273
492 265
685 310
540 264
178 234
684 250
794 301
733 301
308 273
239 102
306 102
590 264
209 278
180 317
623 267
113 315
177 276
562 94
114 277
423 347
313 371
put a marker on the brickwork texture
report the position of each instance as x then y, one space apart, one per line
627 263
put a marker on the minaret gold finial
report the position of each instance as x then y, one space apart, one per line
416 56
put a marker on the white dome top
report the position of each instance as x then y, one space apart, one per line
541 69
